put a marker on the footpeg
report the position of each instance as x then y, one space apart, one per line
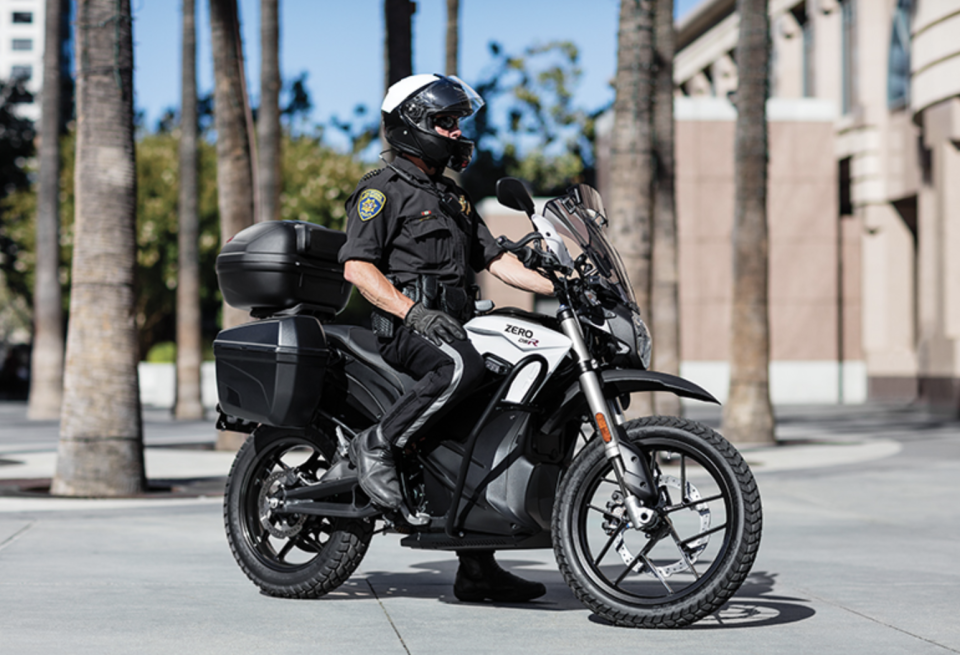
417 519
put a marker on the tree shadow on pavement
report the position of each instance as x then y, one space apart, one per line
434 580
755 605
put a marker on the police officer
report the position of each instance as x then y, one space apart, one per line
411 234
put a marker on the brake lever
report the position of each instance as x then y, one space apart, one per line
510 246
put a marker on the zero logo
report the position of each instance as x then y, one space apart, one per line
526 336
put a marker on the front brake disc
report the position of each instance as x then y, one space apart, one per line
693 549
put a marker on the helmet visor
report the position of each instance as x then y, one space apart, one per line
449 95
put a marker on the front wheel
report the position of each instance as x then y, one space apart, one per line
288 555
690 559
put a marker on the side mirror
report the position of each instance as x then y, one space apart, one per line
511 193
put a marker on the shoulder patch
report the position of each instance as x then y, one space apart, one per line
370 203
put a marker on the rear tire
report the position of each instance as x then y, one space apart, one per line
694 556
290 556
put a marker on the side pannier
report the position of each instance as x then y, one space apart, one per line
271 371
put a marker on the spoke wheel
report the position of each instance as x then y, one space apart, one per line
288 555
690 559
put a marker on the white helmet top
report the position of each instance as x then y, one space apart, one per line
400 91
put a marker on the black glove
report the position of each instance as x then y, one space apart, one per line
528 257
434 324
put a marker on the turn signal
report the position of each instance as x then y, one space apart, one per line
602 426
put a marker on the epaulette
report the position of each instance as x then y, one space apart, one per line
371 174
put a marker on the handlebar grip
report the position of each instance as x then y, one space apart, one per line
510 246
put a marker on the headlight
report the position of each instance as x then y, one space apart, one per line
631 338
644 342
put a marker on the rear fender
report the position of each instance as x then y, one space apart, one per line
619 382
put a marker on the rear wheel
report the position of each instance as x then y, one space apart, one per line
690 559
288 555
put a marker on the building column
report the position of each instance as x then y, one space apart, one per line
938 284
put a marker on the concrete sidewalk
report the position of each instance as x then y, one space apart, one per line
858 556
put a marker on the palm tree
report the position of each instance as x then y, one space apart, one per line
46 374
235 184
453 37
398 50
664 292
268 118
631 158
101 441
748 414
189 350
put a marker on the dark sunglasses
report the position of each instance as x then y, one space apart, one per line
446 122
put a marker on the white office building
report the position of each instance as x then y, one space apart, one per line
21 48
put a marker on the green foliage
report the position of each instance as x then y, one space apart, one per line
158 189
545 139
316 182
16 167
164 352
19 211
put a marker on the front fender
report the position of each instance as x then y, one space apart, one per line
617 382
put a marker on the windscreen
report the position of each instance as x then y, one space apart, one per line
580 215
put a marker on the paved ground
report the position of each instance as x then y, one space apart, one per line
859 555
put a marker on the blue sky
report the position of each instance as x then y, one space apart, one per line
339 44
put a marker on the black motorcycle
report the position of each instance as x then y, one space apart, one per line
655 522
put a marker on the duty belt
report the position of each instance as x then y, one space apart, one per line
432 294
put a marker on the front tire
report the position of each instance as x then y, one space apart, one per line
288 555
695 554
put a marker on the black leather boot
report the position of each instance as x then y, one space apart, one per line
480 578
373 457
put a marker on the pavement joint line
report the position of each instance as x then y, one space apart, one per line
16 535
883 623
387 614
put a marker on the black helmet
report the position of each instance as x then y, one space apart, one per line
408 113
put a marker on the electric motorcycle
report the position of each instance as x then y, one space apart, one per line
655 522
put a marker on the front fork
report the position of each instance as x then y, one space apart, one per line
630 466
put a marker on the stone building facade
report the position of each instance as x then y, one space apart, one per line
891 71
864 197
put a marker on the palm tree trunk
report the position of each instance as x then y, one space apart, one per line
101 441
398 52
268 119
46 374
748 414
665 298
453 37
631 160
234 160
235 173
189 347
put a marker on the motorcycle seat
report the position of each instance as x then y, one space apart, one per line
362 344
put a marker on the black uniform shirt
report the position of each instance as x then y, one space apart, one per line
396 223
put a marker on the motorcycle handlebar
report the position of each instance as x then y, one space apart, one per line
510 246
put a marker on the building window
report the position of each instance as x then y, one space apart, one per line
806 36
23 17
898 66
21 72
845 187
23 45
848 15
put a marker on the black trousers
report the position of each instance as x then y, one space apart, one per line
445 374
